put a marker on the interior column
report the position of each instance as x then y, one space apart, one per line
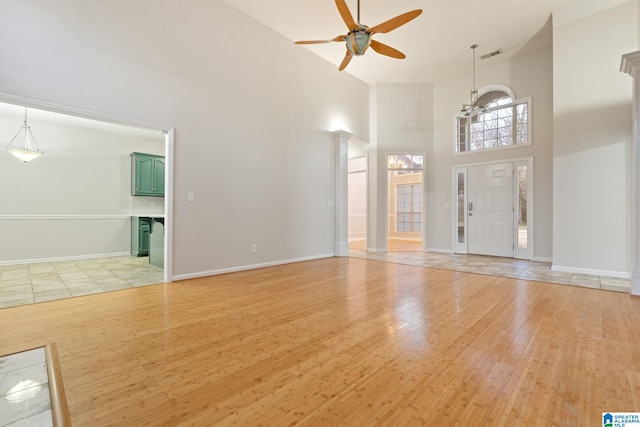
341 247
631 65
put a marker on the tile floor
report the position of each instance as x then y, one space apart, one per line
495 266
30 283
24 390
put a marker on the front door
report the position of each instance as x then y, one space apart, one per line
490 205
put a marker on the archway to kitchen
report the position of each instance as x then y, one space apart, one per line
74 207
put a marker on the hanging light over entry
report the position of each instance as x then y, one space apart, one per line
23 145
475 106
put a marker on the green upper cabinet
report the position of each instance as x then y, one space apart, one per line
147 175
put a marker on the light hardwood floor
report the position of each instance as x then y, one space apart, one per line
393 245
341 341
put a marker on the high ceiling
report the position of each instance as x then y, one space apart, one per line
437 43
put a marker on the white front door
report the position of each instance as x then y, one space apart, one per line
490 205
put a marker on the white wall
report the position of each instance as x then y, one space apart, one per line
75 200
404 121
240 97
580 130
528 75
419 118
592 136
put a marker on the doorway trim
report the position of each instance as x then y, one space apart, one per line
424 195
462 247
365 171
168 133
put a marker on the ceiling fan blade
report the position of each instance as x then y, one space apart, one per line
312 41
394 23
345 61
383 49
335 39
346 14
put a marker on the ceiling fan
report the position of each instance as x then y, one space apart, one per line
358 39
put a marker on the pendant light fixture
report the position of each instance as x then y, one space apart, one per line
23 145
475 106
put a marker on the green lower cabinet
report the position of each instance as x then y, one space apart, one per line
140 230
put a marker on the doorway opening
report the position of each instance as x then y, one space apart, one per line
357 203
494 209
405 202
75 210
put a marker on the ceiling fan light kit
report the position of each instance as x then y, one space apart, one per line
358 39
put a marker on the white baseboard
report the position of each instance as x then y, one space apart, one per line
592 272
635 282
341 249
542 259
246 267
376 250
67 258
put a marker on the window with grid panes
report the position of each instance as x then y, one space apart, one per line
408 196
408 207
502 123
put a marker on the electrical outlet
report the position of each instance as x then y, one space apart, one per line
253 247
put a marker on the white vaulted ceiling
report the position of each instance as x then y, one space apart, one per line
436 43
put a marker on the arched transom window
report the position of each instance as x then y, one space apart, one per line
499 121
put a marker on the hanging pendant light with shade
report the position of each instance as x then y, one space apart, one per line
23 145
475 106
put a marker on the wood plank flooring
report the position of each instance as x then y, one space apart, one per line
393 245
340 341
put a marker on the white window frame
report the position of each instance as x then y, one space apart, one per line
412 212
515 102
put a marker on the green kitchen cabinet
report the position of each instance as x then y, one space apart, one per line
147 175
140 231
